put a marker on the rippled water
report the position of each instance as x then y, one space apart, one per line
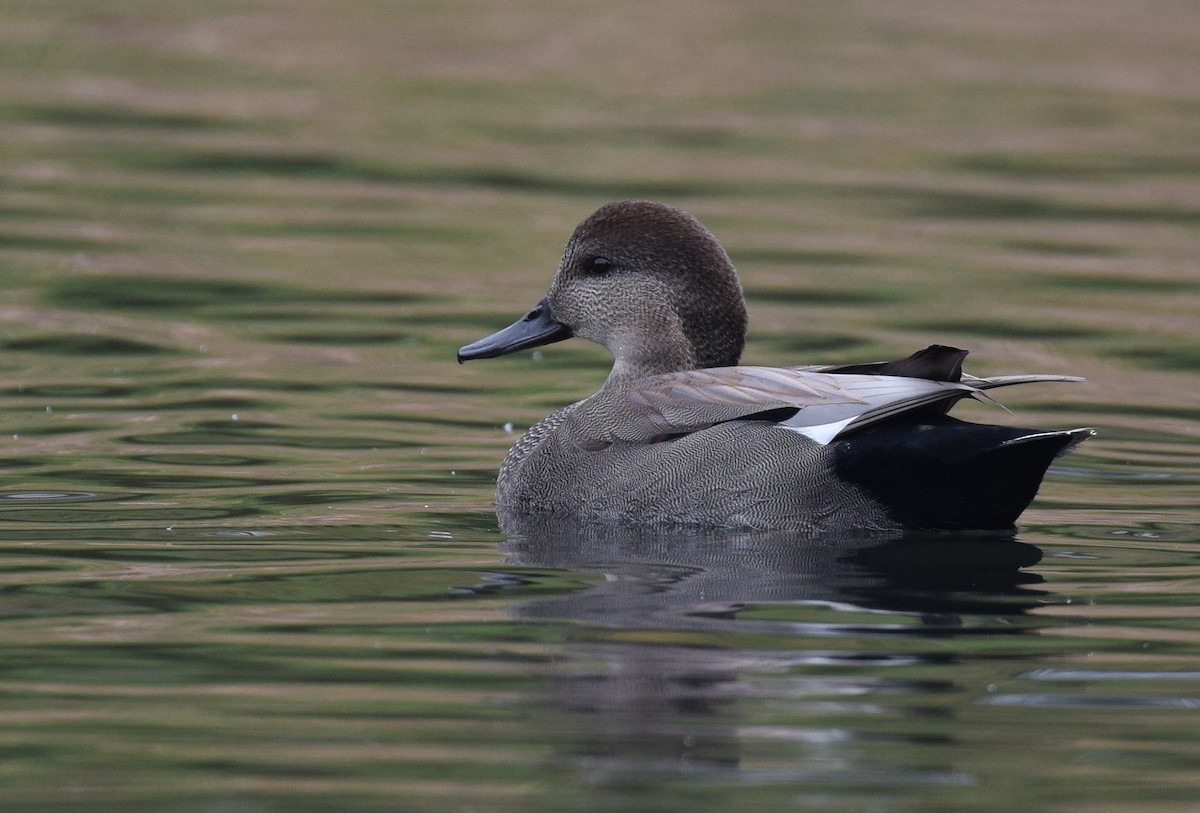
249 559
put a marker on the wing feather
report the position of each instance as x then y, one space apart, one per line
826 404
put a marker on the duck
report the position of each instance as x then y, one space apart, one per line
682 433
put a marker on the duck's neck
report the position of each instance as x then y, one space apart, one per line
652 350
631 367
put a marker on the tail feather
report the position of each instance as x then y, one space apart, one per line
939 472
1069 437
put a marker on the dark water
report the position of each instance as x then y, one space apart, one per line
249 561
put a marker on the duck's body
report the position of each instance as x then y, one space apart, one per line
735 474
679 433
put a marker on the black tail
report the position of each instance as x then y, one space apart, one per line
933 471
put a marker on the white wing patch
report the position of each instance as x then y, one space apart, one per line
877 397
822 433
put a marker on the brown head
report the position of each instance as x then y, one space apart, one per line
647 281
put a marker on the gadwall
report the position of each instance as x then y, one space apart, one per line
681 434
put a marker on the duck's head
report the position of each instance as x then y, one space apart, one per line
647 281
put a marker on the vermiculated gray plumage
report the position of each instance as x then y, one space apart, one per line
747 474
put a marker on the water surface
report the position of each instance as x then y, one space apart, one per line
249 560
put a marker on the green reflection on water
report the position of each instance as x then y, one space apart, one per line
248 555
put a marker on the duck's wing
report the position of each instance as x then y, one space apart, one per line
938 362
1008 380
818 405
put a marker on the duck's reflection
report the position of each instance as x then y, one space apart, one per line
680 627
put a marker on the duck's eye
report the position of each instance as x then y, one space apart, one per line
599 265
